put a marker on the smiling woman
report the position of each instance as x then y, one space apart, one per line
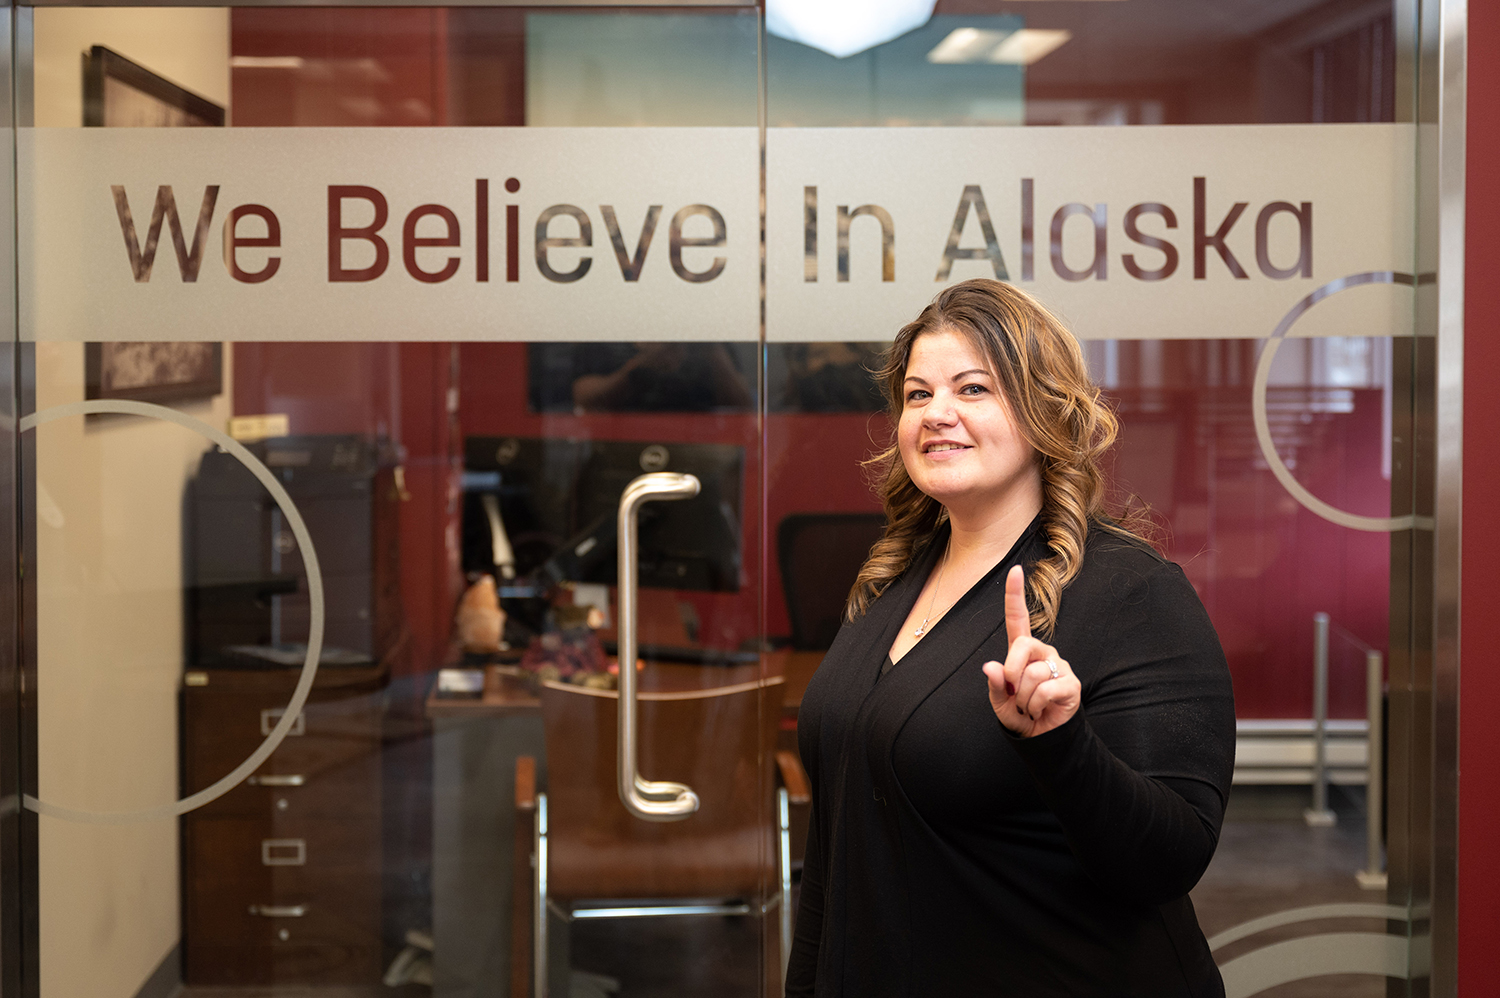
995 807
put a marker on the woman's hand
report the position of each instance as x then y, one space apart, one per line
1035 690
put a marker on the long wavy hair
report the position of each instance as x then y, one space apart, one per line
1056 406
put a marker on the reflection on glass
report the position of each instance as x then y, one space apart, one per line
924 77
823 377
622 69
642 377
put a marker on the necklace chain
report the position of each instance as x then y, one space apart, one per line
931 604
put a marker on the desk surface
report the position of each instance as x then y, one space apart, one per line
504 696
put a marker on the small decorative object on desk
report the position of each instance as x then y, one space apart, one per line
572 655
480 621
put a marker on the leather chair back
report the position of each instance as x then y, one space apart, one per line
719 741
820 555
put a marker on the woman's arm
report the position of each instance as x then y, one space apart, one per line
802 969
1138 778
1147 838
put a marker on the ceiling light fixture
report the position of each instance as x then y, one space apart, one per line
1011 48
845 27
1024 47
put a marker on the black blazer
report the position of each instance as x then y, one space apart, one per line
948 858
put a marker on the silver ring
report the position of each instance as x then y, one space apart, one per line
1052 664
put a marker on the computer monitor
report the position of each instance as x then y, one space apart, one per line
557 500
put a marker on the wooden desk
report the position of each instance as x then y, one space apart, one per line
506 696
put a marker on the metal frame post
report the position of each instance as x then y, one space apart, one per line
1373 876
1319 816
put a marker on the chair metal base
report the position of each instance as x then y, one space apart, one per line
541 903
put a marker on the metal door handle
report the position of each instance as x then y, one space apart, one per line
648 800
279 910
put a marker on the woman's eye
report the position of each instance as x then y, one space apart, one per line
972 390
916 395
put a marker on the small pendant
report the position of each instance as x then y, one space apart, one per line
920 631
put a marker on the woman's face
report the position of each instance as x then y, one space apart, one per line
956 434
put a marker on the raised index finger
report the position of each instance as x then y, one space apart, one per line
1017 617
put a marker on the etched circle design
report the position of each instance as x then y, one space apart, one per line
315 600
1263 425
1305 957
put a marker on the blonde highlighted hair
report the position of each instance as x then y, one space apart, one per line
1056 406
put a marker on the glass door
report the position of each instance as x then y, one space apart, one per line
1155 175
440 453
361 349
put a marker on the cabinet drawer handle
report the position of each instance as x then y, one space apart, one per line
283 852
279 910
270 716
268 780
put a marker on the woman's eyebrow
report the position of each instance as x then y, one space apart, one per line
964 374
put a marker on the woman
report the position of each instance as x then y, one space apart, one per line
1021 741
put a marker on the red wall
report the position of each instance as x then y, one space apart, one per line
1262 563
363 67
1479 735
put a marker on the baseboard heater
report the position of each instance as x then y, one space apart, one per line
1283 752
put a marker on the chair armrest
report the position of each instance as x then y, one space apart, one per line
525 783
793 777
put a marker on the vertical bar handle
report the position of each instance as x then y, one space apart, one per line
646 799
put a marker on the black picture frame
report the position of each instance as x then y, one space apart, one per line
153 372
119 93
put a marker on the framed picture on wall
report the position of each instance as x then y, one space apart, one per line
118 93
153 372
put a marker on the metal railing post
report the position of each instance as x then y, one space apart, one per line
1373 876
1319 815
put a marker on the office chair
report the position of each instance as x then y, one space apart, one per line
820 554
587 857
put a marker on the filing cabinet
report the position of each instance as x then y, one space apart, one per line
247 601
281 877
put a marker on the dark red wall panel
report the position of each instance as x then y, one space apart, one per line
1479 675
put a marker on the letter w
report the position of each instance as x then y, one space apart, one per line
142 257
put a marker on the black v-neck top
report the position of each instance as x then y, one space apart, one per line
948 858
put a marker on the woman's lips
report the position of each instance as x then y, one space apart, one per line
944 447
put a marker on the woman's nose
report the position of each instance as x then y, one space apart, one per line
939 412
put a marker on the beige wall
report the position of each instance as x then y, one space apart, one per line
109 584
187 45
